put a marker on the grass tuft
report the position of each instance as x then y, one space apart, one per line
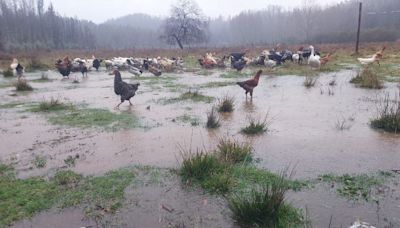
54 104
8 73
265 207
195 96
388 118
309 81
40 161
226 104
233 152
22 85
255 127
212 119
367 78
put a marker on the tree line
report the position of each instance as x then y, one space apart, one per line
29 25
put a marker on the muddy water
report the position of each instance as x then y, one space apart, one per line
302 130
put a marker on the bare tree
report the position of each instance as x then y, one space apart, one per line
186 25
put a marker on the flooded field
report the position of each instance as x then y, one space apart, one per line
319 130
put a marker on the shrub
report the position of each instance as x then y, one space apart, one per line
388 118
255 127
232 152
226 104
212 119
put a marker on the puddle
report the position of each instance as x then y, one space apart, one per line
302 133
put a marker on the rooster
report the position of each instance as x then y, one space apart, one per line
239 65
17 68
249 85
64 66
325 59
123 89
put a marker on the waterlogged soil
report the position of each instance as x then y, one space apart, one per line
303 132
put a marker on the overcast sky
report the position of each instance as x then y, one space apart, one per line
99 10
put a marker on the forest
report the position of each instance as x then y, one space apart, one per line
30 25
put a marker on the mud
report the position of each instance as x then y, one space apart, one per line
302 132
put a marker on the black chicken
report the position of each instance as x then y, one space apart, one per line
239 65
96 63
125 90
64 66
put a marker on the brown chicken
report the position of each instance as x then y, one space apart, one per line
249 85
325 59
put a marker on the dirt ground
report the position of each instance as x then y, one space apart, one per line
303 133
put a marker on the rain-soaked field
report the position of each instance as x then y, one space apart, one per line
304 132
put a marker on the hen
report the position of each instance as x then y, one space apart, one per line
17 68
249 85
325 59
64 66
125 90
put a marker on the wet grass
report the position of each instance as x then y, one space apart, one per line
232 151
44 77
22 198
40 161
356 187
226 104
255 196
265 207
388 118
368 78
5 85
255 127
22 85
11 105
309 81
93 117
8 73
194 96
193 120
52 105
236 74
215 84
212 119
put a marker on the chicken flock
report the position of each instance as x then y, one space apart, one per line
155 66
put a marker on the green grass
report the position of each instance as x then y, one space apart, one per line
5 85
368 78
22 85
40 161
212 119
187 96
11 105
236 74
265 207
357 187
255 127
233 152
388 118
226 104
226 172
215 84
53 105
22 198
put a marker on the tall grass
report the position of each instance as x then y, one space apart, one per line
22 85
212 119
388 118
226 104
309 81
367 78
232 151
265 207
256 126
8 73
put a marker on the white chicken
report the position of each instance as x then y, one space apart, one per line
314 60
375 58
359 224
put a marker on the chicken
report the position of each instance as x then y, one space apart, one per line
249 85
17 68
239 65
123 89
325 59
154 70
375 58
64 66
96 63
